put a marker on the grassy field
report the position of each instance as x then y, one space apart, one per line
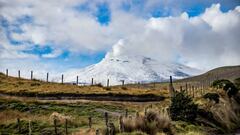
41 113
15 85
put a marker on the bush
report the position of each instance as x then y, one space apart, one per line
237 82
212 96
227 86
183 108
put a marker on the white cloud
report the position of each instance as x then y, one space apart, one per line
205 41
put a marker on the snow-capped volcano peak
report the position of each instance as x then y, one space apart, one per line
120 64
131 69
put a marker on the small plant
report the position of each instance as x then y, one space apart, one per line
212 96
183 108
35 84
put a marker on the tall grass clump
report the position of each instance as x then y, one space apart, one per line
227 113
151 123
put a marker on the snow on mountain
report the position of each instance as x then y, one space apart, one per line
131 69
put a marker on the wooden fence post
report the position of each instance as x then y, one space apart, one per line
186 87
92 82
31 75
107 82
121 124
55 125
181 89
145 110
77 81
106 118
19 125
7 72
62 78
126 113
193 90
30 127
66 126
90 122
19 74
171 89
47 76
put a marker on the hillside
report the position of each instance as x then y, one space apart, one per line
227 72
32 88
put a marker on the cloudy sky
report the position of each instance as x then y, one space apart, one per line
59 35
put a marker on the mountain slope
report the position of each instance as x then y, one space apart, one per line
227 72
122 64
131 69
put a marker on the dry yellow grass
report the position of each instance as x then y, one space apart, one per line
15 85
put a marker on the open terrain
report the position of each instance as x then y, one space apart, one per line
33 105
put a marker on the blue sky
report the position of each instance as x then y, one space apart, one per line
51 36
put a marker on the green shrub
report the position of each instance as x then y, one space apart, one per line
212 96
183 108
227 86
237 82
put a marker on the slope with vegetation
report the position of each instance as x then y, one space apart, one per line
214 111
36 88
229 72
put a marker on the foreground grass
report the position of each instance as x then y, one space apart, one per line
40 114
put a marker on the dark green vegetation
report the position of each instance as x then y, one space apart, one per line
212 96
226 85
237 82
183 108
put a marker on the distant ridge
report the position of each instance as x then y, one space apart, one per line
227 72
